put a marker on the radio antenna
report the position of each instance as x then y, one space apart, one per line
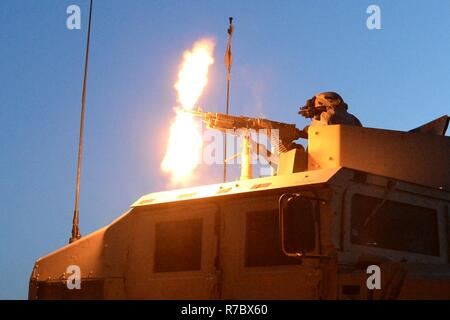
228 62
75 228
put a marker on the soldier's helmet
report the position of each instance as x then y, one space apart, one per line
330 100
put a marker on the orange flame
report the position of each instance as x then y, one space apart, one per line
185 142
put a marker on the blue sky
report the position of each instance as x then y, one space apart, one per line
284 52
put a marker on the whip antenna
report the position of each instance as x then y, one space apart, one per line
75 229
228 62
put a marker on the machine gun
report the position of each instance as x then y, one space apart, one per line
282 138
287 133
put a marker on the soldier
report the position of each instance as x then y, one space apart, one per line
328 108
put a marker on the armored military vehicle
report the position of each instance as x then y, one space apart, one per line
357 197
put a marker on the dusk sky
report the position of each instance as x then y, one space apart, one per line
284 52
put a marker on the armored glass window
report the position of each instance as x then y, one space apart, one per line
262 240
178 246
394 225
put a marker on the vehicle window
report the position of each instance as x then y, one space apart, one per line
262 240
394 225
178 246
